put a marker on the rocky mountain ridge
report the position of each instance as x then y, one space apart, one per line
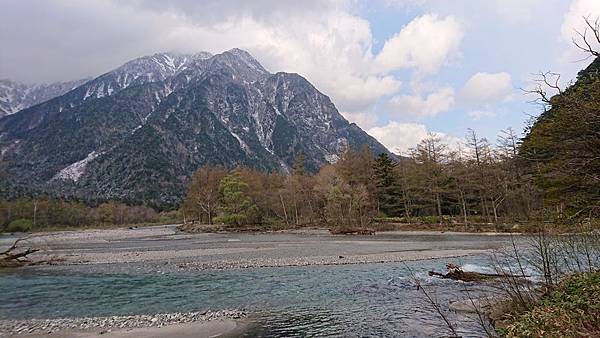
139 132
16 96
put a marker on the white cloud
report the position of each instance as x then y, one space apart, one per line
325 41
573 19
401 137
363 120
518 11
486 88
425 44
573 22
479 114
417 106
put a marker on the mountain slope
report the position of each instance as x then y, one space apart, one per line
15 96
562 148
139 132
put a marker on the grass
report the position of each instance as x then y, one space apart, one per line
571 309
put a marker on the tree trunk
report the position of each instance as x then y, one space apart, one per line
284 211
484 208
406 206
495 209
34 212
464 207
209 212
439 206
296 210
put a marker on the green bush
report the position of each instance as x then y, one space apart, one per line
570 310
20 225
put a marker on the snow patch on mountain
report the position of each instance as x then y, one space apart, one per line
16 96
74 171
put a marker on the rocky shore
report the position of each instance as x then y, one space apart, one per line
326 260
165 248
103 325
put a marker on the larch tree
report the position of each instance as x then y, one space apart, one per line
203 196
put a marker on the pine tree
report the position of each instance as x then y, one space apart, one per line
237 208
299 167
387 189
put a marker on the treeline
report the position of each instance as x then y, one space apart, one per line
337 194
31 214
481 184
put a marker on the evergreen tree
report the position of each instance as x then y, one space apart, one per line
299 167
387 189
237 208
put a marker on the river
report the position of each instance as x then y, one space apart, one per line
353 300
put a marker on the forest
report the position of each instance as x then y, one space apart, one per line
483 184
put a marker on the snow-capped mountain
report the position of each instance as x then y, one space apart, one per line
139 132
15 96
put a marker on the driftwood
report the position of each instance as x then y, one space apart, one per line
456 273
12 257
351 231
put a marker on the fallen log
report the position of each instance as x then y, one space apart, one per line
18 255
13 258
456 273
351 231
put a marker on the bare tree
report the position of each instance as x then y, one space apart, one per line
203 192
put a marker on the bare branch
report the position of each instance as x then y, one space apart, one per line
584 44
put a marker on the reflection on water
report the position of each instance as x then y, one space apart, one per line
350 300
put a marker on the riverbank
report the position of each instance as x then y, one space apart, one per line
570 309
192 324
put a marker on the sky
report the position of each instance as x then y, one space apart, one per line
398 68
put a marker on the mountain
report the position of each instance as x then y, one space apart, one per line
137 133
15 96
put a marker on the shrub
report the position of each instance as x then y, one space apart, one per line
569 310
20 225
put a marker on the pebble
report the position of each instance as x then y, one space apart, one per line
319 260
106 324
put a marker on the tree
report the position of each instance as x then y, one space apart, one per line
203 192
480 151
356 167
430 156
299 167
387 189
237 207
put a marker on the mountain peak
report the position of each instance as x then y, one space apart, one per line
203 55
246 58
240 52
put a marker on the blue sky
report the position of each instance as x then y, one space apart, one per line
397 68
519 41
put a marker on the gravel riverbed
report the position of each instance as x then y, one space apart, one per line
107 324
166 246
325 260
